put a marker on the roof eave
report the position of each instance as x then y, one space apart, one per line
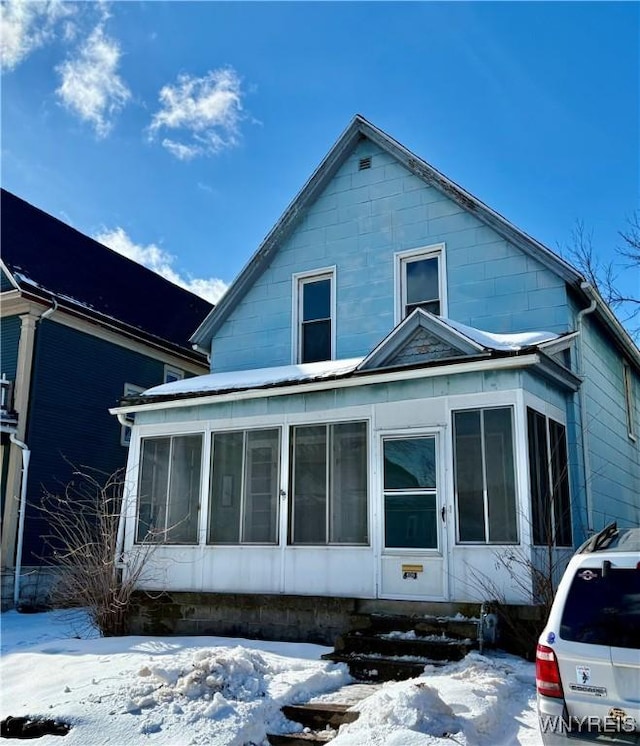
31 292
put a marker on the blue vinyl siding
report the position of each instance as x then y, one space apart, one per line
5 282
76 378
614 457
9 342
357 224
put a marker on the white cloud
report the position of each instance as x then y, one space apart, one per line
160 261
204 113
26 25
91 86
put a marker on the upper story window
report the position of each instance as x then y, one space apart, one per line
420 281
314 316
130 389
172 374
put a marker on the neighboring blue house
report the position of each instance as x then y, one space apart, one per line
81 326
404 386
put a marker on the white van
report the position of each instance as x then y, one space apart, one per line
588 656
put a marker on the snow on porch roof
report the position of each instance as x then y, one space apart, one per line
306 372
256 378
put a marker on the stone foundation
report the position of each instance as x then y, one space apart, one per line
35 587
257 616
316 619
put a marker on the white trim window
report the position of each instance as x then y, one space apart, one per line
420 281
129 389
172 374
329 484
548 481
169 489
314 316
629 401
485 479
244 487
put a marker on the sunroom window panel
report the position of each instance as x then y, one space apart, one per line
152 493
169 489
348 519
261 484
500 476
184 489
549 481
310 485
244 487
469 476
539 477
329 484
560 476
226 487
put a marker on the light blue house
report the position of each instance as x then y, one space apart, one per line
405 390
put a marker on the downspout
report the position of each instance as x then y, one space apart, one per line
121 519
586 457
26 455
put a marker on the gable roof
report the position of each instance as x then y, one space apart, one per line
440 338
360 128
49 259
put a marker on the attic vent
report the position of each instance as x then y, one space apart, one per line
364 163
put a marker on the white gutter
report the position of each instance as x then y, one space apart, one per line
26 455
508 363
582 398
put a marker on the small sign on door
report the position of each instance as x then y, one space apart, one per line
410 572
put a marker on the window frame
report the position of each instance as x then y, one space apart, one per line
244 431
198 495
402 259
299 280
485 493
176 373
330 477
129 389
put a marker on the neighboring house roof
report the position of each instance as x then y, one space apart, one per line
463 344
49 259
357 129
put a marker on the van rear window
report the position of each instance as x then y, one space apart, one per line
603 609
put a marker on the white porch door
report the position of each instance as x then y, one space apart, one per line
414 557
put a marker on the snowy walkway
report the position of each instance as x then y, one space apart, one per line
228 692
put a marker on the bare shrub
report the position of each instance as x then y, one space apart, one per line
83 526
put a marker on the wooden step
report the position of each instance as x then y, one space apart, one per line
300 739
423 625
379 668
436 648
318 716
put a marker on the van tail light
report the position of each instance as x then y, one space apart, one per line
547 673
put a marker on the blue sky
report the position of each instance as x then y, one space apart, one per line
178 132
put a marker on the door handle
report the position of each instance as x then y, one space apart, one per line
443 514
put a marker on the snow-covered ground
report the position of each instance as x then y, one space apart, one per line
221 691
